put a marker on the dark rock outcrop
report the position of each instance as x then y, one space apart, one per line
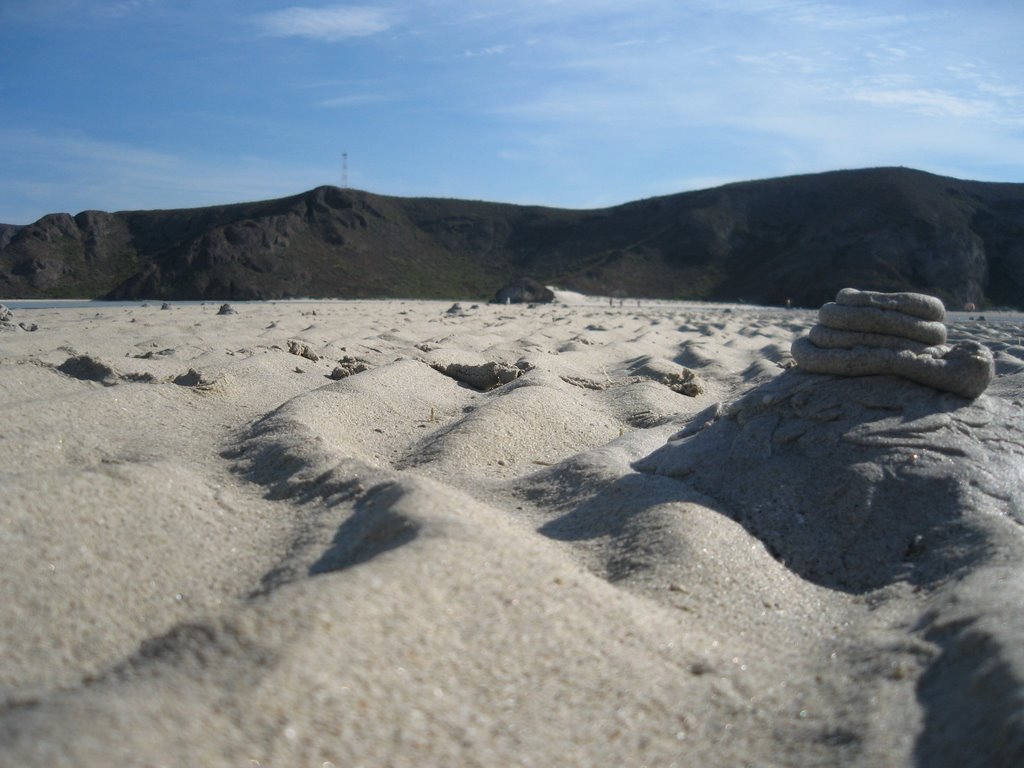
7 232
799 238
525 290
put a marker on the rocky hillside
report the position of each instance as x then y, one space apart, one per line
7 231
800 238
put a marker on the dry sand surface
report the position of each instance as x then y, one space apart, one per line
503 536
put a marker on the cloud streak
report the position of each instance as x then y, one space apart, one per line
926 101
357 100
82 150
491 50
330 24
121 9
89 173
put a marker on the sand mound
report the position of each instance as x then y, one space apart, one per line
861 484
856 483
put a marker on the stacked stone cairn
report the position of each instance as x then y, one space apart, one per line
865 333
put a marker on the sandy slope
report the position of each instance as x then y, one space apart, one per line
592 564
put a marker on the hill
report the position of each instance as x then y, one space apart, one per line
799 237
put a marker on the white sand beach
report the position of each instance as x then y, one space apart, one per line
567 535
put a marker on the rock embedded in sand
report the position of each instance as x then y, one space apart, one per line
482 377
684 383
7 322
525 290
867 333
87 368
226 309
191 378
678 378
348 366
302 350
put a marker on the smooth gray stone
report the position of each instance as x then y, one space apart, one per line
831 338
884 321
916 304
965 369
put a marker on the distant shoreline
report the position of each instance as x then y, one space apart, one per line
578 300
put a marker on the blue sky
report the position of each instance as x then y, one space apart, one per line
135 104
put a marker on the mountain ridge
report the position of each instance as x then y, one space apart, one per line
799 238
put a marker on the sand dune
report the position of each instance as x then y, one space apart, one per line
399 533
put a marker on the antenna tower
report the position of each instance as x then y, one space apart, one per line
344 170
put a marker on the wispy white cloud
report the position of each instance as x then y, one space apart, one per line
818 87
330 23
59 12
934 102
81 149
123 8
813 58
84 172
781 63
811 13
1003 91
492 50
357 99
525 13
1007 97
40 11
836 18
